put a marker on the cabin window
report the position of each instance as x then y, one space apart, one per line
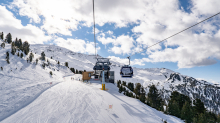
89 74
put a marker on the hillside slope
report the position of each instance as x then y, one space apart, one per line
74 101
165 80
22 82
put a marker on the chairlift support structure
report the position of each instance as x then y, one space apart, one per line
102 63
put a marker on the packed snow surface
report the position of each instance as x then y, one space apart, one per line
75 101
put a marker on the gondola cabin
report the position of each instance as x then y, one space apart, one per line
126 71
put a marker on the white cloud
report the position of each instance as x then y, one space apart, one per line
196 47
61 16
110 32
119 60
122 44
206 6
77 45
30 33
96 31
156 20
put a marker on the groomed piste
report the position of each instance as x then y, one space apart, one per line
75 101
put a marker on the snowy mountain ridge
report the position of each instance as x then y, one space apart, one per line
29 93
165 80
19 71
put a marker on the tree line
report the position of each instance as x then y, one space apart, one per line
179 105
15 45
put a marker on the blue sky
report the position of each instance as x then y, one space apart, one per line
123 28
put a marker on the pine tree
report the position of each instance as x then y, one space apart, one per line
187 113
120 89
48 62
36 61
154 98
3 45
72 69
137 89
13 49
127 93
136 96
66 64
26 48
51 73
123 89
131 94
16 42
131 86
7 57
80 72
20 44
142 95
173 108
195 120
2 36
77 71
180 99
198 106
31 56
218 119
21 55
58 62
42 56
211 117
2 68
118 83
202 118
124 83
9 38
18 54
43 65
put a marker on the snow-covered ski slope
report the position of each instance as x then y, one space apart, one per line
73 101
22 82
148 76
30 94
164 79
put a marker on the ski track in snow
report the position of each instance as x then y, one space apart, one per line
74 101
25 103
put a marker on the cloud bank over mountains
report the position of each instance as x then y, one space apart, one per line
150 22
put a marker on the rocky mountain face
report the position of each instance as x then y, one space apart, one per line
208 93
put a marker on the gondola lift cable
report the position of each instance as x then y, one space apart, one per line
128 66
129 69
173 35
